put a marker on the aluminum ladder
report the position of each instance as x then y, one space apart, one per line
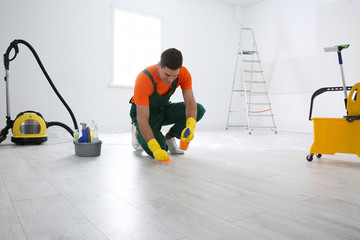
250 105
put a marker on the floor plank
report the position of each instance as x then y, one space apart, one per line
228 185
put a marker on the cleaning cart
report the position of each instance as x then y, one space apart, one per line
337 135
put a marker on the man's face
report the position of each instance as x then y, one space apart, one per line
168 75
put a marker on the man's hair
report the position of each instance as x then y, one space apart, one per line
171 58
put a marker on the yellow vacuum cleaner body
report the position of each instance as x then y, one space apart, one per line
29 128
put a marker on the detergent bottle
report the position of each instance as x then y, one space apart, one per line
85 135
96 134
185 145
76 135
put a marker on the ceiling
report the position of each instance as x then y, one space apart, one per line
241 3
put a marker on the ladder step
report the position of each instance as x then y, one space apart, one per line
267 104
250 92
260 115
255 81
237 125
252 61
263 127
247 52
253 71
236 111
257 93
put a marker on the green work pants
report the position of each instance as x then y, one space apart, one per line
171 113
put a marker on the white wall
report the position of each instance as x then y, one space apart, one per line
72 38
291 36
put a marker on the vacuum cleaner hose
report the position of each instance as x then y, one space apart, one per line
3 133
50 124
14 46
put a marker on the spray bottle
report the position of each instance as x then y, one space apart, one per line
85 136
185 145
88 134
92 130
76 135
96 134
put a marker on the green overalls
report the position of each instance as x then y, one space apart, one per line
163 112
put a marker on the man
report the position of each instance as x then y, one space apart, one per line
151 108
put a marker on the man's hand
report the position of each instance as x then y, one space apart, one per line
190 124
159 154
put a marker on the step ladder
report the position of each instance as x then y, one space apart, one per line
250 106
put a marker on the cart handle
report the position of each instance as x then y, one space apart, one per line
322 90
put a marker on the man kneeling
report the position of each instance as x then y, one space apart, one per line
151 108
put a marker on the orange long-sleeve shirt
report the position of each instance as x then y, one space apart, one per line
144 87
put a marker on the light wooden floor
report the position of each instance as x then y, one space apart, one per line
229 185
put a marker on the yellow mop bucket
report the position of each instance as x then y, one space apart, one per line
335 135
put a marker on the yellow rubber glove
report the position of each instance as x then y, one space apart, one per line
190 123
159 154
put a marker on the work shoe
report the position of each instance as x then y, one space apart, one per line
173 147
135 143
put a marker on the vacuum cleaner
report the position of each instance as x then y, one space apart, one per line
29 127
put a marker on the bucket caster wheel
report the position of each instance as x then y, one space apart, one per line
318 155
309 157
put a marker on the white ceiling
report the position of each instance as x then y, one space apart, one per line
241 3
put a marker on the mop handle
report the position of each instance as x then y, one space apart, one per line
338 49
342 74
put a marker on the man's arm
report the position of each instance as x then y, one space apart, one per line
190 103
143 114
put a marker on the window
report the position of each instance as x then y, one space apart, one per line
137 43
